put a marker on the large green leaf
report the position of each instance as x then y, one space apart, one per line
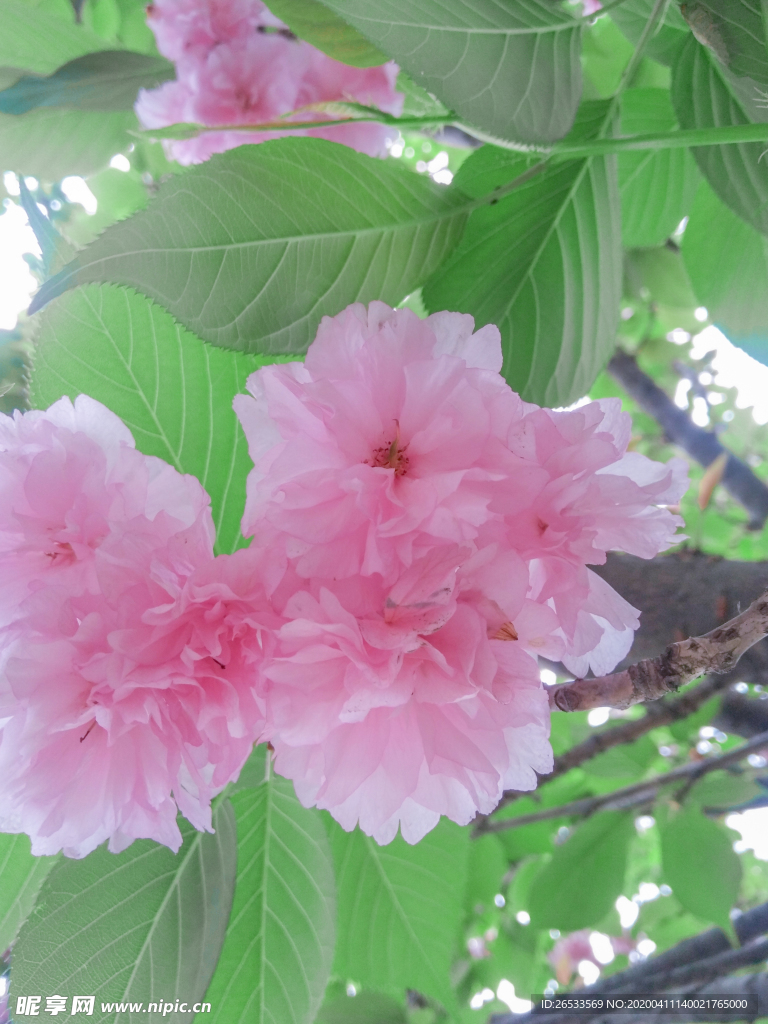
21 876
107 80
632 16
544 265
511 69
400 908
705 95
52 144
172 390
586 874
33 40
252 248
317 24
734 31
657 186
146 924
700 865
727 261
278 952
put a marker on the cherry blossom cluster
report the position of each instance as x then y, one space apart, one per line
236 64
419 537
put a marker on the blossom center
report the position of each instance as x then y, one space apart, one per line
392 455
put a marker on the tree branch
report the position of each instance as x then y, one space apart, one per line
706 958
738 479
629 796
717 651
661 713
686 594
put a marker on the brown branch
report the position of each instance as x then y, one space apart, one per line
706 958
716 651
661 713
629 796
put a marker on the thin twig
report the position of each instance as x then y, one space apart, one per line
717 651
630 796
661 713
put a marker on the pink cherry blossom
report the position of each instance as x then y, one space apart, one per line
392 705
127 667
429 535
238 64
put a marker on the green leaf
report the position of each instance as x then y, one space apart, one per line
632 16
364 1008
21 876
661 274
700 865
485 872
585 875
314 22
33 40
400 908
544 265
252 248
727 261
510 69
146 924
628 761
51 144
173 391
705 95
733 30
657 186
278 951
108 80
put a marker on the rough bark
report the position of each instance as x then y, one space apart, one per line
717 651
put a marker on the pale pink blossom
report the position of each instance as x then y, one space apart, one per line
569 951
237 64
127 668
428 535
594 496
390 705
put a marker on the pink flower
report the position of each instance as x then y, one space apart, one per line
237 64
595 496
570 950
393 704
427 534
127 668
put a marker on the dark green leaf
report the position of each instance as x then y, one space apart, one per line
146 924
705 95
585 876
364 1008
21 876
252 248
108 80
32 39
51 144
509 69
727 261
173 391
400 907
700 865
733 30
544 265
628 761
314 22
657 186
277 955
632 16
